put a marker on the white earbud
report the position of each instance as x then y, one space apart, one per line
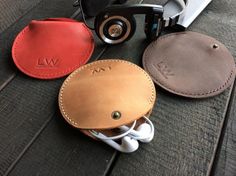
128 145
144 133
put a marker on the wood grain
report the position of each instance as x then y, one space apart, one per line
91 158
219 22
186 136
226 157
25 106
11 11
187 131
36 141
20 116
61 150
45 9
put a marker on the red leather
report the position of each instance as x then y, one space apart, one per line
52 48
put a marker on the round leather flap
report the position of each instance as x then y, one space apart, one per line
190 64
52 48
106 94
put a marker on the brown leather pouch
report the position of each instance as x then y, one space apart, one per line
190 64
106 94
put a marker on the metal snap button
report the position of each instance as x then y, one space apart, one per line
215 46
116 115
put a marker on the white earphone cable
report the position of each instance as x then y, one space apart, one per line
128 132
148 134
97 134
136 135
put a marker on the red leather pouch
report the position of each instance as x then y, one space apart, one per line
52 48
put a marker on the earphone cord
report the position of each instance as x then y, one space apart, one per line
83 16
127 132
147 136
101 136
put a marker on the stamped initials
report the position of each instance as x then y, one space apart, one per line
46 62
164 69
100 69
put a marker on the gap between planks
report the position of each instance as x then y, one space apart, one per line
223 132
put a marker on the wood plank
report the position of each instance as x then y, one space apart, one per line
44 10
18 112
186 137
39 158
11 10
226 156
36 159
35 103
222 15
25 106
187 130
61 150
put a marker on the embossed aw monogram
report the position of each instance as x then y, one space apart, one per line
100 69
164 69
46 62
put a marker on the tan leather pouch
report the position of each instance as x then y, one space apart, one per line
106 94
190 64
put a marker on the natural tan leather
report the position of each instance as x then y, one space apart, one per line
113 131
91 94
190 64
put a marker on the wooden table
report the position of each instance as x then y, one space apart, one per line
193 137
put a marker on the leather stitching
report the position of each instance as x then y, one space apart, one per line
146 54
29 72
151 99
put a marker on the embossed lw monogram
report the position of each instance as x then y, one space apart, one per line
163 68
46 62
100 69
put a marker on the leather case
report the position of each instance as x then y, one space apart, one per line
52 48
190 64
92 95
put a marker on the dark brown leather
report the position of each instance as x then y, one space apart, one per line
190 64
91 94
